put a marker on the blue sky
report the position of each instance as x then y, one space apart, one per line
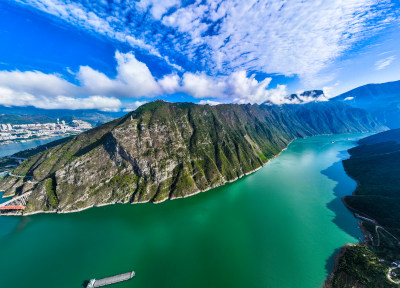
113 55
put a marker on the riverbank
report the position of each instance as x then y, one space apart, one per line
12 148
375 166
329 281
30 139
58 211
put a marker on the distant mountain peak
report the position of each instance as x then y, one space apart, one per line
302 98
381 100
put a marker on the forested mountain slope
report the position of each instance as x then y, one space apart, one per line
165 151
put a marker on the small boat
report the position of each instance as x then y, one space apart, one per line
332 142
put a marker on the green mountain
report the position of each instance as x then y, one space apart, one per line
166 151
381 100
375 165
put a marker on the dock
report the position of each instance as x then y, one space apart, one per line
111 280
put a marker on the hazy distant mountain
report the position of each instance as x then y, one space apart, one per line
90 115
165 151
381 100
25 119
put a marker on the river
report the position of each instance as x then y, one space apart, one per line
278 227
9 149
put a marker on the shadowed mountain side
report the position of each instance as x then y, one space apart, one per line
374 164
342 189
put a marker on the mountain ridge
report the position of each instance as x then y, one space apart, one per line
381 100
165 151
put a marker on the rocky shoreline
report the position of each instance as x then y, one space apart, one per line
154 202
329 281
367 263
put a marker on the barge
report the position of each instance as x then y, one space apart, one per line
110 280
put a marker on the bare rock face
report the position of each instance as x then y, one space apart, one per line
165 151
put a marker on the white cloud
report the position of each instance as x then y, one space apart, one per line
92 102
157 8
236 87
201 85
241 89
209 102
383 63
95 90
49 91
290 37
133 106
169 83
133 79
312 96
329 91
348 98
78 14
35 82
10 97
287 37
103 18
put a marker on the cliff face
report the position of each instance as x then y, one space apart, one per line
166 151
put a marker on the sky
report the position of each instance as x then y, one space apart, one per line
115 55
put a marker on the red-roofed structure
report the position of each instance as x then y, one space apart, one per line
12 208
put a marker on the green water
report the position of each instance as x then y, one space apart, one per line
278 227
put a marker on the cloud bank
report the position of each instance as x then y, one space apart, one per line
95 90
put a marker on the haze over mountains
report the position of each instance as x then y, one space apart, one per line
29 114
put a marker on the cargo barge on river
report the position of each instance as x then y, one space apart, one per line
111 280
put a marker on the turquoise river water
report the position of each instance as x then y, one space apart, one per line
278 227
